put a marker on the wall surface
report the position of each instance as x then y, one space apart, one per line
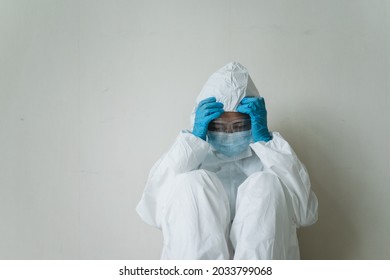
93 92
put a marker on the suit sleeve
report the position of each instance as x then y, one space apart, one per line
186 154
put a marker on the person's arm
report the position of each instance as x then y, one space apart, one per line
186 154
279 158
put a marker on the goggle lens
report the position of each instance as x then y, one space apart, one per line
219 125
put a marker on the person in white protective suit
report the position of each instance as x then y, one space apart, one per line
230 188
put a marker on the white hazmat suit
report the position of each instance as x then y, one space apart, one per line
210 206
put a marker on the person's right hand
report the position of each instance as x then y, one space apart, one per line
207 110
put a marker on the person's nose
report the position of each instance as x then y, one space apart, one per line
229 128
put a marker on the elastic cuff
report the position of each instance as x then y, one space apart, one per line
264 138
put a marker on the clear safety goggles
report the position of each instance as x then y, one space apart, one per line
221 125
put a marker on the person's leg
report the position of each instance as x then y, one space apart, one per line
263 227
196 218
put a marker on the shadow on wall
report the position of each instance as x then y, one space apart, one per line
334 236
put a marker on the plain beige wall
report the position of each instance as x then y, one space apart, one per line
93 92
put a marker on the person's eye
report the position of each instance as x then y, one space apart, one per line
214 126
239 125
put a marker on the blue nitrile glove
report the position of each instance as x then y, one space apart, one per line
207 110
255 108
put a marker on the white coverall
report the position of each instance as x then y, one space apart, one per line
210 206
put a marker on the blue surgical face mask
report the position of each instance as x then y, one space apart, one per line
230 144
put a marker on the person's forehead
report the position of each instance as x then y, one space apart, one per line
229 116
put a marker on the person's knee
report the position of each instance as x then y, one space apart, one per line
198 193
202 185
266 185
263 206
197 180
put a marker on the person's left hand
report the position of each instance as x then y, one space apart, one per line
255 108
